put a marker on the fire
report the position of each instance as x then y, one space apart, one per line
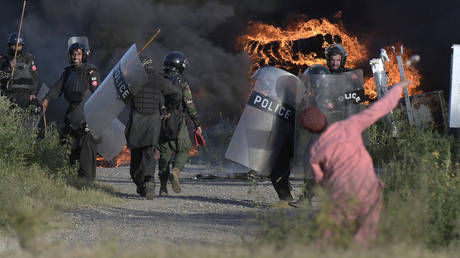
194 151
303 43
123 157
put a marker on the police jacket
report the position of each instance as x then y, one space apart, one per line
75 83
144 123
25 74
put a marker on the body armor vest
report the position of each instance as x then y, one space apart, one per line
75 87
23 78
176 80
147 100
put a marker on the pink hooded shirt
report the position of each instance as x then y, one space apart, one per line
341 163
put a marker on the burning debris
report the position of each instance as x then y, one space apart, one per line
122 158
303 43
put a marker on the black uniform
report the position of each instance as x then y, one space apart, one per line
24 82
281 170
77 84
143 129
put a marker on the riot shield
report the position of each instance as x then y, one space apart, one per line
36 112
42 92
338 96
112 140
82 40
266 120
126 78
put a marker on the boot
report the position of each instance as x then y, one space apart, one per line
305 200
163 187
149 189
174 179
281 204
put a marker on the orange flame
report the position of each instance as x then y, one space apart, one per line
270 45
411 73
194 151
124 157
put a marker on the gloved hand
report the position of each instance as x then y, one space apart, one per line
198 137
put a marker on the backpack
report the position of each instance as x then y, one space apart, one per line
170 128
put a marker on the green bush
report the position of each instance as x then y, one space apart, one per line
420 170
20 144
34 176
422 183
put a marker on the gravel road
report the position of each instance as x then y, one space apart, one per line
213 211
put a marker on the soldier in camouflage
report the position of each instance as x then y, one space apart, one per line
20 89
174 136
144 125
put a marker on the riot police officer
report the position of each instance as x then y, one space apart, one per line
336 58
22 88
77 82
174 136
143 129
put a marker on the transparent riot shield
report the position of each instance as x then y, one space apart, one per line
112 140
266 120
338 96
127 77
42 92
36 114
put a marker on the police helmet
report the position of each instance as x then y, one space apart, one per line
13 38
336 49
318 69
175 61
78 45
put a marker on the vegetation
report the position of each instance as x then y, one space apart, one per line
420 217
35 178
421 171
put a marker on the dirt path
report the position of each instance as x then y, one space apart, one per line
213 211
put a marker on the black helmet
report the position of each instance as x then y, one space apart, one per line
13 38
78 45
175 61
333 50
317 69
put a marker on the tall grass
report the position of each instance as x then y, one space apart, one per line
34 176
421 171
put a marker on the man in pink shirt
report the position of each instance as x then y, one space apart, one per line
343 167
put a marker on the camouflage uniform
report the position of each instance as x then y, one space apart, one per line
180 146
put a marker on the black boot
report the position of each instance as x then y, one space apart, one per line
307 194
149 188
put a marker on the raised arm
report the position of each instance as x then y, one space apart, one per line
366 118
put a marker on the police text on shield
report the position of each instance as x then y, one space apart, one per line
272 106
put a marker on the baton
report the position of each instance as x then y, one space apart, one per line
44 120
148 42
17 41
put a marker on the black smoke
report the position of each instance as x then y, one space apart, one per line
218 76
206 32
